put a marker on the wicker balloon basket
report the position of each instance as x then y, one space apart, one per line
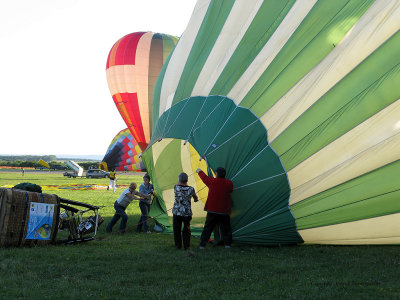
15 210
28 219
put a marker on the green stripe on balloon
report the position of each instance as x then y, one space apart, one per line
158 207
270 14
370 195
306 48
349 103
208 33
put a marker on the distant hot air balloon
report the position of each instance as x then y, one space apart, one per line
300 102
133 66
123 154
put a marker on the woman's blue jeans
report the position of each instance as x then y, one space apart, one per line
145 209
119 213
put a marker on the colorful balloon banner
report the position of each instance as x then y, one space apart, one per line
123 154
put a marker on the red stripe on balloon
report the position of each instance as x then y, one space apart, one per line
134 112
126 51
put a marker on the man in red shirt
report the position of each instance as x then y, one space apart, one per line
218 206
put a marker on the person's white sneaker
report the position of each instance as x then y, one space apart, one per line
202 248
227 247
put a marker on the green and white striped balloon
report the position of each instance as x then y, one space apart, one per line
299 101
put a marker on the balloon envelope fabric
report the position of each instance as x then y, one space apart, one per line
299 101
133 65
123 153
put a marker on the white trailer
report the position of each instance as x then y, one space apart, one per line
78 170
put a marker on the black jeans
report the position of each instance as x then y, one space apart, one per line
213 220
181 233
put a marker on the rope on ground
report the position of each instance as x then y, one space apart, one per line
141 223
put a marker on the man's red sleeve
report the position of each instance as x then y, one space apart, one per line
231 186
207 180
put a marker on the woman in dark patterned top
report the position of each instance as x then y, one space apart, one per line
182 211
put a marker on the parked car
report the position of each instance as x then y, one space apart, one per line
96 173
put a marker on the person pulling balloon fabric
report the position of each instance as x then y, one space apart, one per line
218 206
147 189
127 196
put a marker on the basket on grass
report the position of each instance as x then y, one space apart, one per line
27 218
30 218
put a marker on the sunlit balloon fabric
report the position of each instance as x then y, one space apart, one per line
299 101
123 154
133 65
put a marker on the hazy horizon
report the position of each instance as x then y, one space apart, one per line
62 156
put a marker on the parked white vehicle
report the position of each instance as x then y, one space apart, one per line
78 170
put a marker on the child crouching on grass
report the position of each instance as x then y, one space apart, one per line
182 211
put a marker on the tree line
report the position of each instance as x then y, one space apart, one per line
46 158
54 164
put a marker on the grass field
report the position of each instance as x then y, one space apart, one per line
140 266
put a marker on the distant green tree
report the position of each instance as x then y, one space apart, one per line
46 158
29 164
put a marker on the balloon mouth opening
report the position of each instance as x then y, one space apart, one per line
171 157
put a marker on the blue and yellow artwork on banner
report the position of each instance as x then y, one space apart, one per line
40 221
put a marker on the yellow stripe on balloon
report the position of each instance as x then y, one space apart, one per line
177 63
372 144
142 75
202 189
293 19
380 230
189 160
231 34
169 198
